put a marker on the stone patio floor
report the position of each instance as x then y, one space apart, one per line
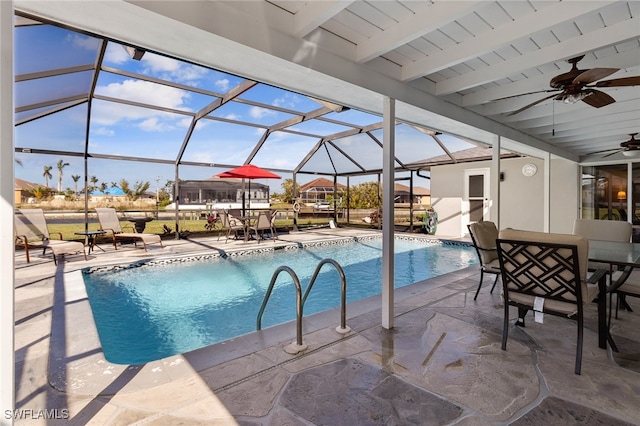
441 364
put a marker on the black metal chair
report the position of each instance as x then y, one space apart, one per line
483 235
546 273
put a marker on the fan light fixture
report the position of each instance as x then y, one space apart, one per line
572 98
632 153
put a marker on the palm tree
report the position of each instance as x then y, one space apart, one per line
47 175
75 178
61 165
94 181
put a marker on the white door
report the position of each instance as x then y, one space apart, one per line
476 197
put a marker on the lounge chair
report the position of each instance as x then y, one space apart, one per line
110 223
32 232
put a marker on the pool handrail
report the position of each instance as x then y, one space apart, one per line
343 292
299 346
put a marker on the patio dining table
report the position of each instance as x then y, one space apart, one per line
616 254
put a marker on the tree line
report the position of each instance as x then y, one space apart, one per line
132 192
365 195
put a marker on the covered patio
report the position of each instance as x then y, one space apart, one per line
301 60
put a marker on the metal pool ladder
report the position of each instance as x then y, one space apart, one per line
298 346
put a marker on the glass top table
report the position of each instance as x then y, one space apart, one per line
626 255
614 253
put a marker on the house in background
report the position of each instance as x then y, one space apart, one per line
222 193
22 191
402 195
319 191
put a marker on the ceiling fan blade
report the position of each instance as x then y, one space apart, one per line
594 74
528 93
598 99
613 153
619 82
531 104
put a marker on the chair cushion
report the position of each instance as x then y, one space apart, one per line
60 247
485 234
568 309
632 284
147 238
493 266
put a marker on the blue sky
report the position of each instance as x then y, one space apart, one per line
134 130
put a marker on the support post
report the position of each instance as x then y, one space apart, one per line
388 229
7 246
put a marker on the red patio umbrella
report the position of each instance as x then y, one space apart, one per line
248 171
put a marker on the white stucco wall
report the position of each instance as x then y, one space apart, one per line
565 195
521 198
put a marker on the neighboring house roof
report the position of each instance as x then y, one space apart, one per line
23 185
417 190
320 183
464 156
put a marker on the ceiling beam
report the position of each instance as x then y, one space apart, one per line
426 20
573 47
499 37
314 14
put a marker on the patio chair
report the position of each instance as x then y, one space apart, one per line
274 234
32 232
263 223
546 273
603 230
231 224
630 287
483 235
606 230
110 223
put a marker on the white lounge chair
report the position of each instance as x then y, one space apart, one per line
110 223
32 232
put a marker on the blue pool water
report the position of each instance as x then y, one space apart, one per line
150 312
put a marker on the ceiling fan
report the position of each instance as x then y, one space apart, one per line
630 148
578 85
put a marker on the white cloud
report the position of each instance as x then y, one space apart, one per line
103 131
88 43
287 100
146 92
152 124
222 84
258 112
232 116
158 63
116 54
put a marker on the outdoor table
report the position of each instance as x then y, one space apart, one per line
626 255
139 222
91 238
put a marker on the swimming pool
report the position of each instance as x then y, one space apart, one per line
151 310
